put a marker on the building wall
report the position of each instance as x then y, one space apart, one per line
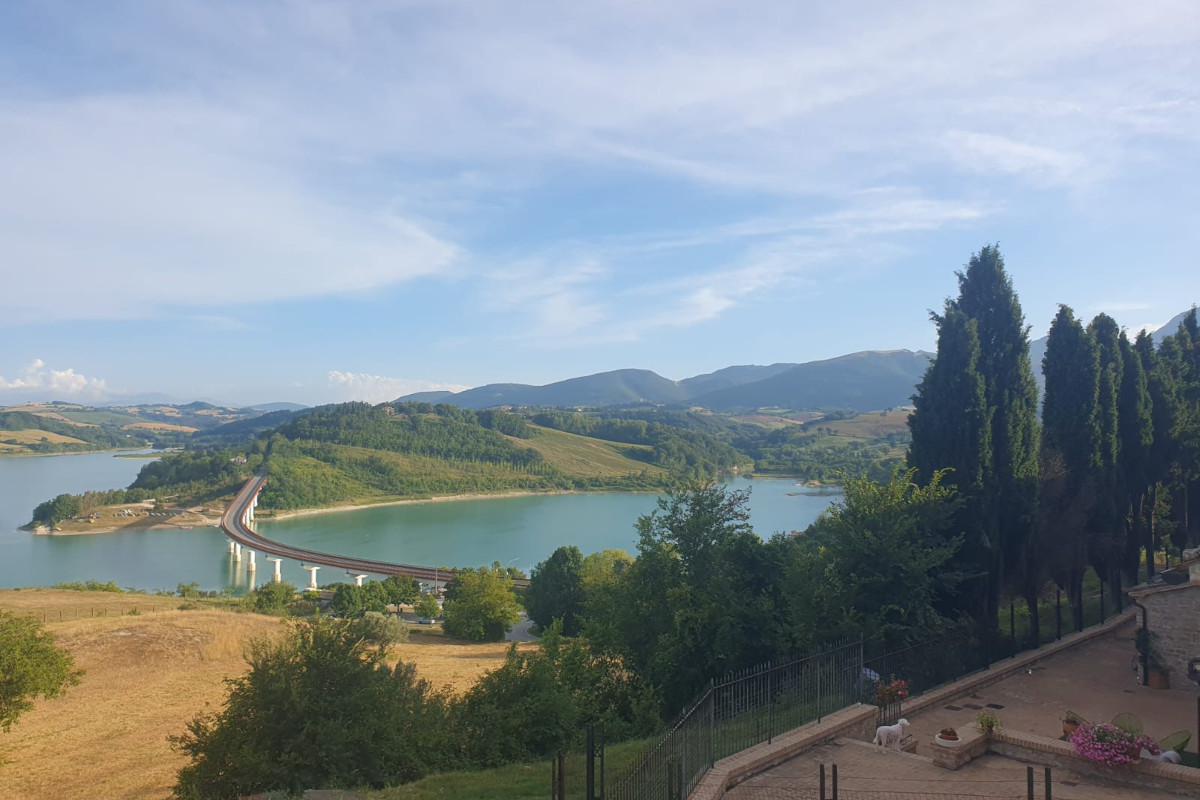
1174 614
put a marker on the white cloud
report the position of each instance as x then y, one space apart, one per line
381 388
50 384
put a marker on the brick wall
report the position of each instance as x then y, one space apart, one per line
1174 615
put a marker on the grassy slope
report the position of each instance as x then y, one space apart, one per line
35 436
147 675
592 458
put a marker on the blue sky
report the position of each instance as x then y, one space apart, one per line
251 202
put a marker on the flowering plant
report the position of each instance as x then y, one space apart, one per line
890 691
1107 744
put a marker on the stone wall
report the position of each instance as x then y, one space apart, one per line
1035 749
1173 613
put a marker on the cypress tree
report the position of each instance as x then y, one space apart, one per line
1107 520
950 431
1136 429
1005 501
1070 448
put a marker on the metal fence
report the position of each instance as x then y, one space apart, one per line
741 710
753 706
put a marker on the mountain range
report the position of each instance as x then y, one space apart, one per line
871 380
864 381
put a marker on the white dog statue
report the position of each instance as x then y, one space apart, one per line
890 735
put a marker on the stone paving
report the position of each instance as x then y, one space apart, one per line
1094 679
866 774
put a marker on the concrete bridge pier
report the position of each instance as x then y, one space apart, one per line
231 546
277 578
358 579
312 577
237 552
252 565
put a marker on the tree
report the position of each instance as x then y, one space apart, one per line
887 565
318 708
401 589
1107 522
427 607
1137 436
952 436
698 600
484 607
1004 505
1070 447
273 598
31 666
556 590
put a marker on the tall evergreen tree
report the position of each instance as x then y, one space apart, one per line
1107 521
1070 447
951 431
1136 430
1006 500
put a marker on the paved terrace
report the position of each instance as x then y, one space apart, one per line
1089 673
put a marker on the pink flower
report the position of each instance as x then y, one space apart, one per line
1105 743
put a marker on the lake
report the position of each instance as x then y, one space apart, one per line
517 531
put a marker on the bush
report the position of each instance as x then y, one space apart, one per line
317 709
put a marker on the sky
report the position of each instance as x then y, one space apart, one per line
314 202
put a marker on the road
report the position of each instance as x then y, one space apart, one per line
231 523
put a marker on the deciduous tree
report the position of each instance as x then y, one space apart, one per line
31 666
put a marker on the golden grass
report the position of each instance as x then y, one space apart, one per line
147 675
581 455
35 436
158 426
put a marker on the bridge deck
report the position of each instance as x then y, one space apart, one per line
231 523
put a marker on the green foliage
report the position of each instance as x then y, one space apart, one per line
380 630
697 601
354 601
90 586
401 589
427 607
556 590
886 553
480 605
31 666
273 598
992 447
318 709
539 703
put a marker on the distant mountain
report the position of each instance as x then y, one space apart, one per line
427 397
277 407
866 381
860 381
732 376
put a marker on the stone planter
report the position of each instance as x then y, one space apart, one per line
944 742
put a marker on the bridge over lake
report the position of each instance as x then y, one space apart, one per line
239 516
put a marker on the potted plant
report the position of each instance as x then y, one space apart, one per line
1158 676
947 737
1105 743
892 690
987 722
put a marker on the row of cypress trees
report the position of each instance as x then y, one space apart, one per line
1087 484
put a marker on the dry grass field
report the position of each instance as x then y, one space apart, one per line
158 426
147 675
34 436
